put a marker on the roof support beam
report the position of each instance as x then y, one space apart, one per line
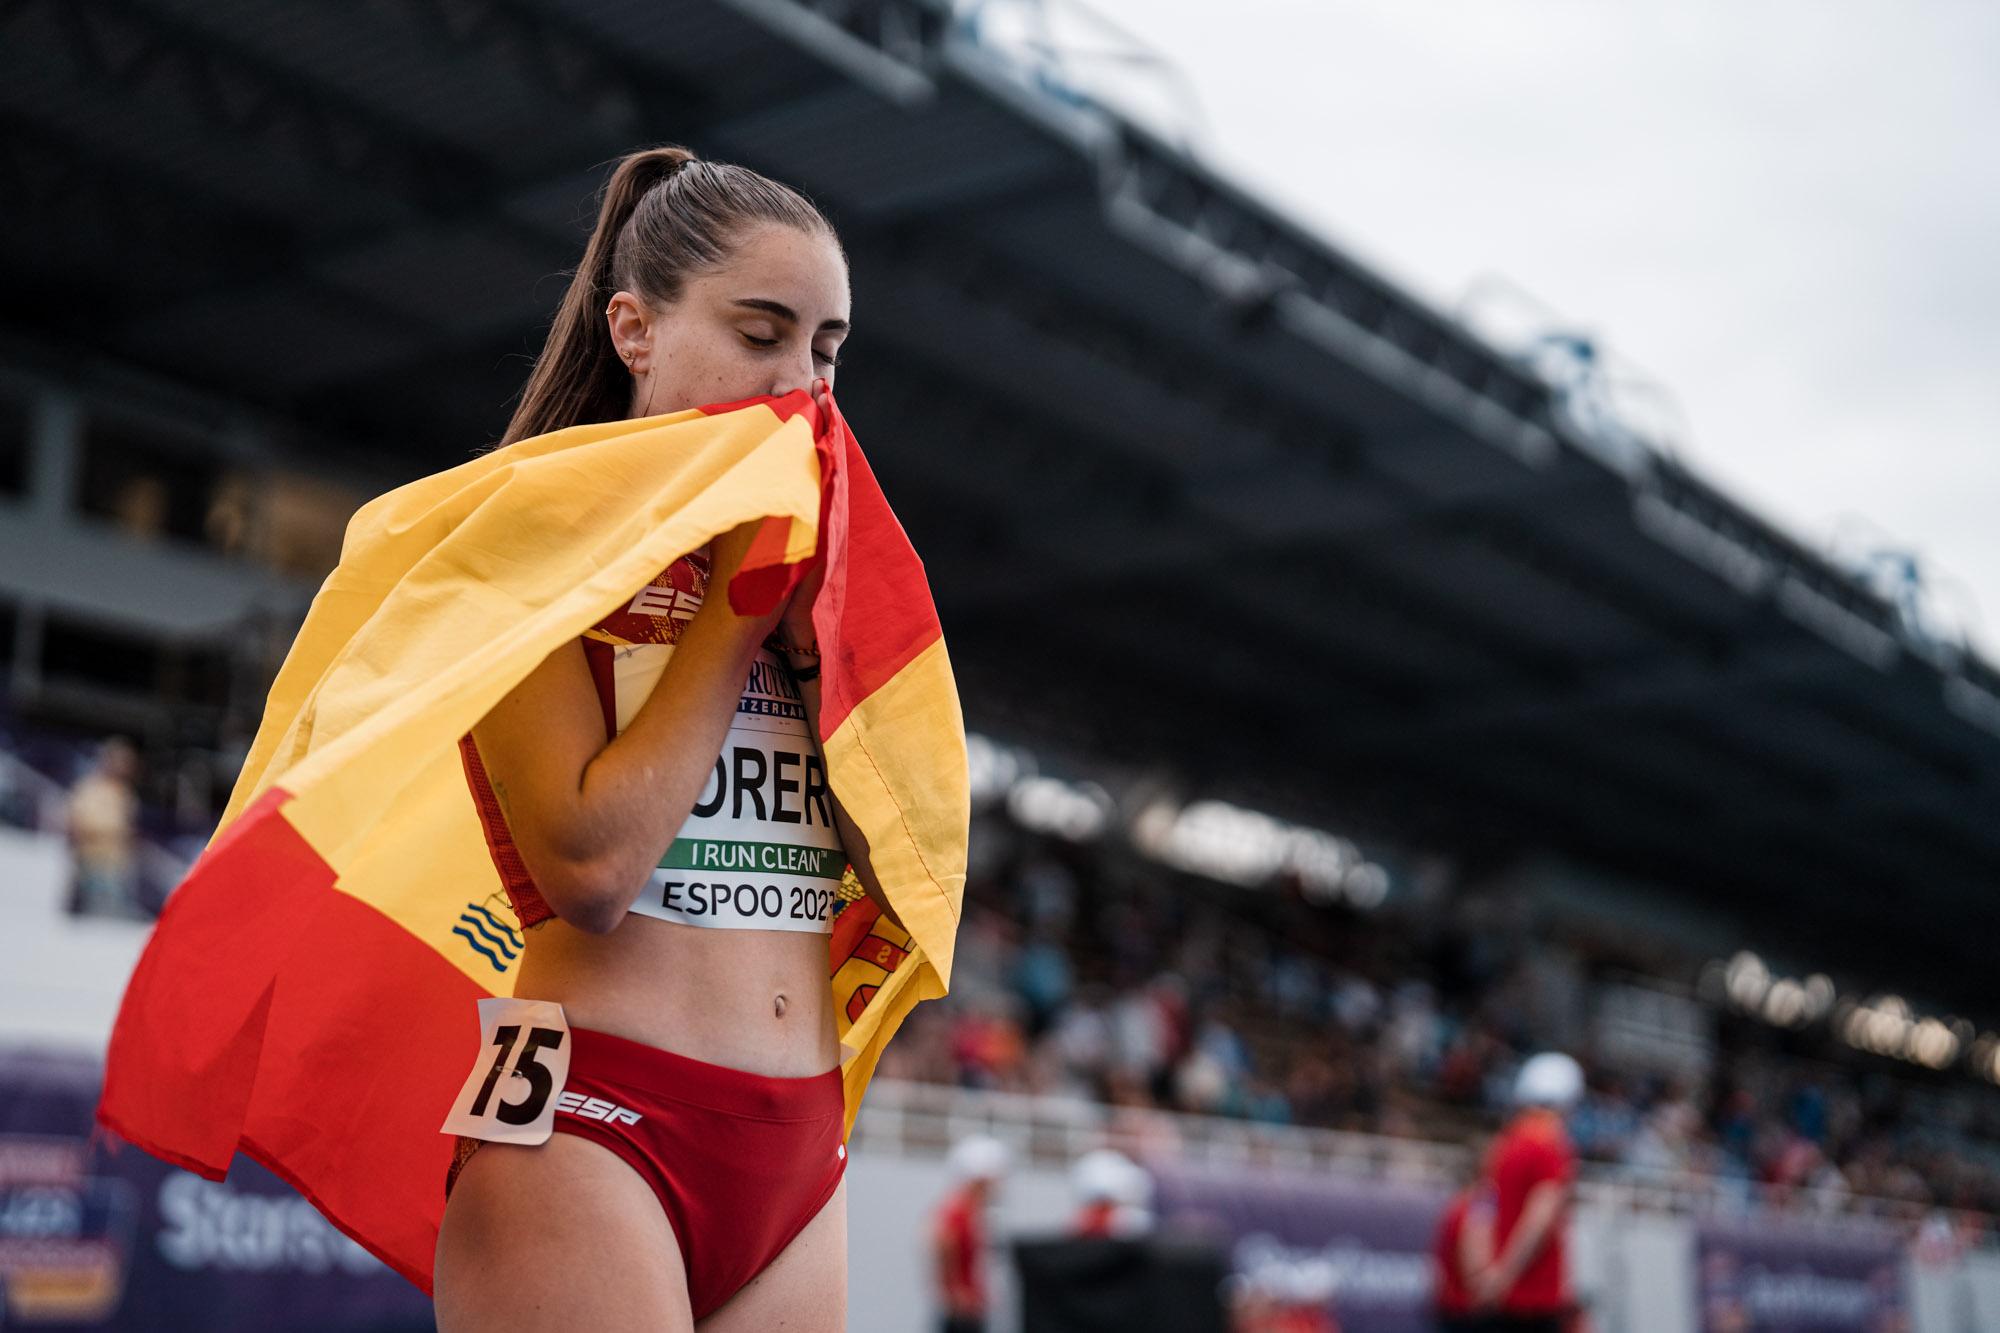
137 51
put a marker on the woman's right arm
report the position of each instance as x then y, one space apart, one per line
590 816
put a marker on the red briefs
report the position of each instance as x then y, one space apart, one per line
739 1162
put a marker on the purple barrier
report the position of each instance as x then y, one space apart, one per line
1775 1280
1370 1242
101 1236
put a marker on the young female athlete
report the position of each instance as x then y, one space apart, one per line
695 1175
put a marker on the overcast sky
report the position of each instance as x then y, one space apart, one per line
1787 211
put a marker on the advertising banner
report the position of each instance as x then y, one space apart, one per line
97 1235
1775 1280
1366 1242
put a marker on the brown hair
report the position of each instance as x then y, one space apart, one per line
665 214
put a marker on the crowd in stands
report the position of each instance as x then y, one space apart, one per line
1087 975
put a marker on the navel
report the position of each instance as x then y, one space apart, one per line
778 1005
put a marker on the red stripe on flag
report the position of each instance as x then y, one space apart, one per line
875 614
273 1012
797 403
361 1064
194 1010
765 579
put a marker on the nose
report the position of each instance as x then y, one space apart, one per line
796 373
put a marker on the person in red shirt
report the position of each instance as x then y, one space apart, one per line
958 1233
1532 1168
1460 1249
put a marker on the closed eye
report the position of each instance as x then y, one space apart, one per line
765 344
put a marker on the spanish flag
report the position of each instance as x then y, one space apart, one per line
308 994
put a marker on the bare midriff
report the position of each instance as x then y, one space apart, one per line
755 1000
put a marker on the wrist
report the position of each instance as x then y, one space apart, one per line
801 654
800 640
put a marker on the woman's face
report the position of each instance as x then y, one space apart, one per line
769 319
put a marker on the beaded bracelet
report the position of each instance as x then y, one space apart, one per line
776 643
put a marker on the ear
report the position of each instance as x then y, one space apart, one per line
631 324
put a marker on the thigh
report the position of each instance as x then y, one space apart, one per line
804 1289
557 1237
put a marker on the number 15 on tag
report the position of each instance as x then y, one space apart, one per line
523 1062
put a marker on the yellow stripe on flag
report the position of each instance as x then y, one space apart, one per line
915 814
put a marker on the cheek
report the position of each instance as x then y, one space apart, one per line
699 371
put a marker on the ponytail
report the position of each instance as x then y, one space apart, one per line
665 213
578 377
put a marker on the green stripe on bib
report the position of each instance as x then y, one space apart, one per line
780 857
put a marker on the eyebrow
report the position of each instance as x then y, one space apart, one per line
785 312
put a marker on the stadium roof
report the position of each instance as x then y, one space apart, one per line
1192 484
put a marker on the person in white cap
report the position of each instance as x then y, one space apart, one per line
1532 1167
958 1232
1113 1195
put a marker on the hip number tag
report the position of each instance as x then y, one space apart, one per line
510 1095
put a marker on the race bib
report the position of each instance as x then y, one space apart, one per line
510 1095
759 850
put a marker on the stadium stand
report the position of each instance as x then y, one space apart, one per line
1102 978
1214 513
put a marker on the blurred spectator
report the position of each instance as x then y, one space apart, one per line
102 820
1664 1144
958 1233
1113 1195
1532 1168
1041 976
1461 1249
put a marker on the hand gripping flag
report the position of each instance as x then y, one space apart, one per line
308 994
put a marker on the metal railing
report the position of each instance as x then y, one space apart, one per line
924 1119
